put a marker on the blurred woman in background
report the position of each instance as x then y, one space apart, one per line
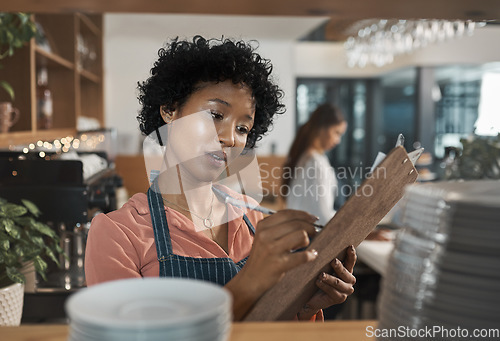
309 180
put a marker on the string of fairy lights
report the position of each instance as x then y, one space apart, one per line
63 145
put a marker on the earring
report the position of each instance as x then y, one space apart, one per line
166 115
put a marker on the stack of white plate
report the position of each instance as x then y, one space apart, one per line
445 267
150 309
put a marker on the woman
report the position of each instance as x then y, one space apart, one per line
308 178
205 102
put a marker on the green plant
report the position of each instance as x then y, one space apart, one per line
479 159
15 30
24 239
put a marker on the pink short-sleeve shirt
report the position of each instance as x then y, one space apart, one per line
121 244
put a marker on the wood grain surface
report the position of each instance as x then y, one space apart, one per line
251 331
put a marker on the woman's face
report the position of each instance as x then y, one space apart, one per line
210 129
332 136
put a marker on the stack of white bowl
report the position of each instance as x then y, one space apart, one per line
444 272
150 309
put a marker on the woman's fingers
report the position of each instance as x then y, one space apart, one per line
271 255
338 288
276 232
335 283
282 248
343 273
351 258
292 241
297 258
289 229
335 288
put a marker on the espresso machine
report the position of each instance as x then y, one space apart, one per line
68 199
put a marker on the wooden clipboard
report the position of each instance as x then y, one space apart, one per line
361 213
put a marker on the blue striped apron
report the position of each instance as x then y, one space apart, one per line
215 270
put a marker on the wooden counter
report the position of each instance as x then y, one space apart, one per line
262 331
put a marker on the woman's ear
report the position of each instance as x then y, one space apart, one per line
166 114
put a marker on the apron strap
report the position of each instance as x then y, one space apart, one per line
159 220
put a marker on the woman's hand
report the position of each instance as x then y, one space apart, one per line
334 290
276 236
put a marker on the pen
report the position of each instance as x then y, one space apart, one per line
243 204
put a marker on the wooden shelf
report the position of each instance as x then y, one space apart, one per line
44 56
75 76
90 76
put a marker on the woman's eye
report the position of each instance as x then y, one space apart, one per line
243 130
216 115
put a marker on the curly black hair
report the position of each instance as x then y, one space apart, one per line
183 64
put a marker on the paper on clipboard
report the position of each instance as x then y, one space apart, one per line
413 156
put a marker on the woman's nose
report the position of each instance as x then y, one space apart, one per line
226 136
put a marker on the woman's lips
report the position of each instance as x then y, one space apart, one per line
218 158
220 155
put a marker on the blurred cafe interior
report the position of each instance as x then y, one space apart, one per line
429 70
